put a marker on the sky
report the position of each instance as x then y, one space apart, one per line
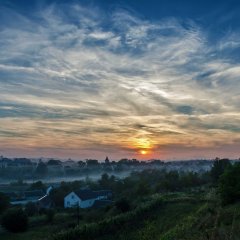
125 79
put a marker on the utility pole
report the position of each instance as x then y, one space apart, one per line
78 214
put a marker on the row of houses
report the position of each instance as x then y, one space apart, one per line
86 198
83 198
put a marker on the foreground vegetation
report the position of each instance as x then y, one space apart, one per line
151 204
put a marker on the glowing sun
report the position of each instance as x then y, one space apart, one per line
143 152
142 145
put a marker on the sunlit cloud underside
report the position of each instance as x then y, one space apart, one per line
81 82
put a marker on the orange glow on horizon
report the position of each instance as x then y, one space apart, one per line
143 152
142 145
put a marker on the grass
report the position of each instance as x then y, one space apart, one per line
35 233
159 221
149 219
176 217
39 228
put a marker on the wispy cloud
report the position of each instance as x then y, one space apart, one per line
80 78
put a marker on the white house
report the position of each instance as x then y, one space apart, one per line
85 198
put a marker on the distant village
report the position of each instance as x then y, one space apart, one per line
20 171
34 169
42 198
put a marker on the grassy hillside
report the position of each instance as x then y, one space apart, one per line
163 217
39 228
148 221
187 218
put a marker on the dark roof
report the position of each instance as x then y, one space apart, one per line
11 195
86 194
104 192
102 203
34 193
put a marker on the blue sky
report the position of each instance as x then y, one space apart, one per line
95 78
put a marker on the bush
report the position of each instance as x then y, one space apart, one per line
50 215
15 220
122 205
229 187
4 202
31 209
37 186
111 225
219 166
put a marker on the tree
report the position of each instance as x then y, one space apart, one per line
107 161
142 188
218 168
92 162
53 162
58 196
81 163
229 186
15 220
4 202
104 181
37 186
122 205
41 169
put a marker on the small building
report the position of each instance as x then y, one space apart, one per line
45 202
85 198
28 196
39 197
34 195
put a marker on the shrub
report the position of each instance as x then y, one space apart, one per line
229 187
110 225
219 166
122 205
50 215
15 220
31 209
4 202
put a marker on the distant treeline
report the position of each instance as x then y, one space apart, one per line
25 168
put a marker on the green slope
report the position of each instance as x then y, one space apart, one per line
182 218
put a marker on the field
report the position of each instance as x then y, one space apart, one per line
176 216
146 205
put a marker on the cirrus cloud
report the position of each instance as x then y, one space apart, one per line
85 81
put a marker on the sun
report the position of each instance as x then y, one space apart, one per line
143 152
142 145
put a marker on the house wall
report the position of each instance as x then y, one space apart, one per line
87 203
103 197
71 200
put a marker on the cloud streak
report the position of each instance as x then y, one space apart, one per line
90 81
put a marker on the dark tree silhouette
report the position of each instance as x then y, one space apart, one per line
4 202
122 205
219 166
15 220
229 186
41 169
